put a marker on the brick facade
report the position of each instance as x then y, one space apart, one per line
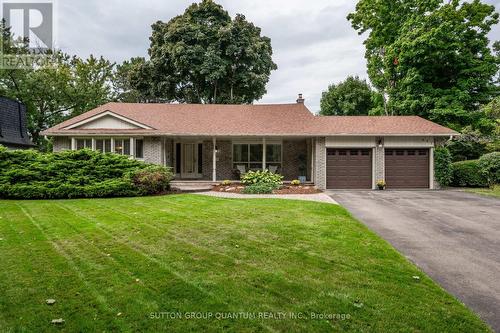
153 150
379 163
320 163
224 160
293 152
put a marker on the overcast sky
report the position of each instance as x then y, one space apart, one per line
314 45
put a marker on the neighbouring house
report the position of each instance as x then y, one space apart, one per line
13 125
216 142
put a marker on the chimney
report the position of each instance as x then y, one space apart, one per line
300 100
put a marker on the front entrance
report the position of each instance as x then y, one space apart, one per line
189 160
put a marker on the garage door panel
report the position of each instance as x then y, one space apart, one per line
349 168
407 168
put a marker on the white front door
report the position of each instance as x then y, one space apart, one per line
189 160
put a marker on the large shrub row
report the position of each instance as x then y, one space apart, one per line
477 173
468 174
76 174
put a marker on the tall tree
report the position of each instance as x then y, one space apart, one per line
127 81
352 97
382 20
92 82
52 91
203 56
430 57
441 66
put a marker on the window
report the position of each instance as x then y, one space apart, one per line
122 146
178 158
139 148
422 152
83 143
353 152
103 145
200 158
250 155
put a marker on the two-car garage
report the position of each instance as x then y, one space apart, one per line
356 168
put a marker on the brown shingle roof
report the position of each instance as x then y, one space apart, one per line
246 120
374 125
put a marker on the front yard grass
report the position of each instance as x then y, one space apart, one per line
147 264
493 192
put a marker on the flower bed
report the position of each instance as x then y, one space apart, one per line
285 189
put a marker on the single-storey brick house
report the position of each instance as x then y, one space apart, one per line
216 142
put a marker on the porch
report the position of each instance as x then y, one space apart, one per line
213 159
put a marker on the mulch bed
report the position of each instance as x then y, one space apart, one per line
285 189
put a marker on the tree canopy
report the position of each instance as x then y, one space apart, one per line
429 57
352 97
204 56
64 87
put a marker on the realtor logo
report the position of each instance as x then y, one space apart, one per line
32 23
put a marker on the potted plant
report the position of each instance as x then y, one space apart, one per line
381 185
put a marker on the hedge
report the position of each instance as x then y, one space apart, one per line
443 171
490 167
468 174
28 174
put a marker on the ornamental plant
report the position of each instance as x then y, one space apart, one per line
262 177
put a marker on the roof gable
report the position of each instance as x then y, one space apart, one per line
107 120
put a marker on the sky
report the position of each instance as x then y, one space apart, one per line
313 43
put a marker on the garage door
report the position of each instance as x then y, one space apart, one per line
407 168
349 168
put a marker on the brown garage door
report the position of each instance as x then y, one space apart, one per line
348 168
407 168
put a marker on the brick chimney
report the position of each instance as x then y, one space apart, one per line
300 100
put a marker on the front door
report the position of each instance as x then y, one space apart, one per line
189 160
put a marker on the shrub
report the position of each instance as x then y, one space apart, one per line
262 177
442 166
468 174
260 188
490 167
153 179
295 182
28 174
226 182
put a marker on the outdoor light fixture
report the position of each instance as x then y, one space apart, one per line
379 143
216 149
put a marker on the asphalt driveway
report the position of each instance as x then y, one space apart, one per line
453 236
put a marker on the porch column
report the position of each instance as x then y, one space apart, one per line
73 144
214 160
132 147
263 154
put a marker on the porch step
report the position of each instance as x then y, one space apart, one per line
193 185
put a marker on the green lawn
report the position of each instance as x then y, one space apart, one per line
251 258
493 192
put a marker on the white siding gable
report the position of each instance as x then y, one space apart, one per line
108 122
